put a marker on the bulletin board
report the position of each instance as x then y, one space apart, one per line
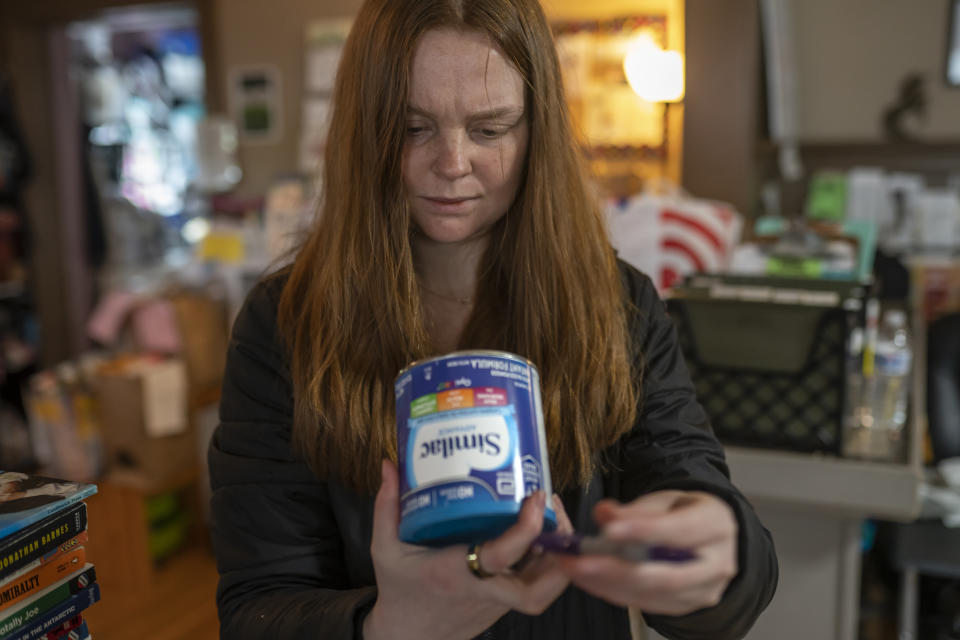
620 133
610 116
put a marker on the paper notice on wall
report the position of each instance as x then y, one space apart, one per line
322 63
314 124
165 398
325 40
256 103
939 213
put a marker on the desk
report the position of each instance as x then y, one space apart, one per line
813 507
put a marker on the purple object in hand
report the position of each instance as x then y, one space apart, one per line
576 544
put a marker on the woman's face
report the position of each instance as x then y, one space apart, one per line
466 136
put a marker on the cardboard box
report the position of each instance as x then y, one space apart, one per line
144 419
120 511
202 324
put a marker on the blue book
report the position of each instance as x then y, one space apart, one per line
26 499
23 615
56 616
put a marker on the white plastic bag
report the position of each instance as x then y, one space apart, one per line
667 233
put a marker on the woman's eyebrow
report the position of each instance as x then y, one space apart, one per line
497 113
490 114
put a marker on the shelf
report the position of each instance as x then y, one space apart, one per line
878 148
936 161
859 489
844 487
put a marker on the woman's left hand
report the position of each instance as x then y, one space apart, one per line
692 520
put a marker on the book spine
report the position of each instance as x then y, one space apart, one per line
76 541
38 607
68 632
61 631
17 520
22 548
53 554
43 576
58 615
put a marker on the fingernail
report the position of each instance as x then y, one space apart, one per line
538 500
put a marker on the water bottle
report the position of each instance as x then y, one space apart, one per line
892 367
853 436
853 408
853 370
889 388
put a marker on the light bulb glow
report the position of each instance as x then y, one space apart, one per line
654 74
195 230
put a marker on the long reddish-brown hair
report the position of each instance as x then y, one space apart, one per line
549 289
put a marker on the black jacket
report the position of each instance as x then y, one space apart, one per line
293 551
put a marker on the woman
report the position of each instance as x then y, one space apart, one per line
455 216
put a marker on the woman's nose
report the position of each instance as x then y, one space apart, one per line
452 161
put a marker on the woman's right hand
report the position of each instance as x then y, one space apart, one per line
429 593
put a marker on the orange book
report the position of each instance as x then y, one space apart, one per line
53 554
33 581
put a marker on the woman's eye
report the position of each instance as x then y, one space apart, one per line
414 130
490 134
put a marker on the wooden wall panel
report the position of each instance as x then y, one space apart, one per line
722 100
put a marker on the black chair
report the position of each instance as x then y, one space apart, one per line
926 547
943 386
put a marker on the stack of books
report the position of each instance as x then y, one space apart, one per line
45 579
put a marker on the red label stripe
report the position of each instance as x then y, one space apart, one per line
708 234
676 245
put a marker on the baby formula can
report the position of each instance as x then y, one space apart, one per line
471 444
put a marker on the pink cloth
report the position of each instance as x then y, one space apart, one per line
155 327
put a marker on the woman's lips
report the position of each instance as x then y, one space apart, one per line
449 205
450 200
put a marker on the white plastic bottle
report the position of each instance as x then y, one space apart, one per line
854 374
890 390
893 359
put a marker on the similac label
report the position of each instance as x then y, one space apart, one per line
446 447
471 439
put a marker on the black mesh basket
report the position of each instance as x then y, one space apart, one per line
768 374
